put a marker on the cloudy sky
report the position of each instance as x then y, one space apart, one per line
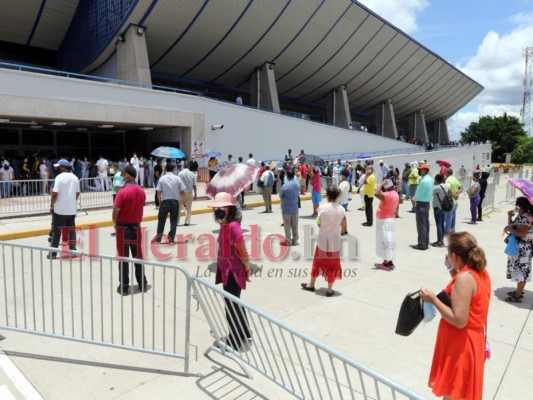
483 38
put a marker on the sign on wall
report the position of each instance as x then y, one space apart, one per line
198 148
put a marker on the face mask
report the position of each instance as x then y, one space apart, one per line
6 167
220 213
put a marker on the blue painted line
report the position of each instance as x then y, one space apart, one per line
182 34
221 40
148 12
329 59
316 46
256 43
36 22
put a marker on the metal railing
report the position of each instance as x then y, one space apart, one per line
490 196
496 176
301 365
76 299
510 193
33 195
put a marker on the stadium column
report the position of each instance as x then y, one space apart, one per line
132 56
264 89
338 108
442 129
385 120
417 126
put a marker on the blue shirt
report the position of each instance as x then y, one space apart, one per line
289 197
424 191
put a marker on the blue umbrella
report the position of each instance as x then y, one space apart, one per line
213 154
168 152
363 155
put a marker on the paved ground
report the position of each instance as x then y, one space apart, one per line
358 321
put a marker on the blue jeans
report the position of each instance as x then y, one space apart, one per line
5 189
405 190
449 220
439 222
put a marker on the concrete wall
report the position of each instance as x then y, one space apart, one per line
267 135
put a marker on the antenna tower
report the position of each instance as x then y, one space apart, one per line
528 80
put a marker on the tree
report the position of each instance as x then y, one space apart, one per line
503 132
523 152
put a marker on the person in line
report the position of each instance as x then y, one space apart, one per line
519 266
316 194
63 206
414 180
233 268
127 217
6 176
440 191
189 181
483 183
289 208
267 177
386 223
405 181
423 195
455 189
211 164
344 192
459 356
369 188
473 195
171 191
101 166
327 253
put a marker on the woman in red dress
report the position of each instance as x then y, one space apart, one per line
459 356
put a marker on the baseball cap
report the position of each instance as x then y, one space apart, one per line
62 163
424 166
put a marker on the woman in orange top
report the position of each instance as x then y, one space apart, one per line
459 356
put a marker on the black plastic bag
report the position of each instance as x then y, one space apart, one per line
411 314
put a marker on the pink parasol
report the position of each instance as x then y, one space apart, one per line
525 186
443 162
233 179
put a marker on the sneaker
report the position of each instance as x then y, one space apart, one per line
123 290
143 288
52 256
295 243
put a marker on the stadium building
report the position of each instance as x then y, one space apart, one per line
99 76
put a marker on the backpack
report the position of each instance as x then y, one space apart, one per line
446 204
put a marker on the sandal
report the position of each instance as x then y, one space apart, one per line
513 299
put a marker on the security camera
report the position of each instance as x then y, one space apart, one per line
217 126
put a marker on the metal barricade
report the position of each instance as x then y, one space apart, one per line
496 177
527 174
488 201
466 182
33 195
510 193
203 175
301 365
76 299
520 173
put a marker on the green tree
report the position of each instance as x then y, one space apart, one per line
523 152
504 132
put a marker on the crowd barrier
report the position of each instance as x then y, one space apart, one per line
301 365
76 299
496 176
488 201
510 193
34 195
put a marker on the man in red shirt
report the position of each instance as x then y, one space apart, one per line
127 216
303 178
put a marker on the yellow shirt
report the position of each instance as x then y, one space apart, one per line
414 177
370 186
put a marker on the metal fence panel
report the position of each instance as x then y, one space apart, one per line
301 365
75 298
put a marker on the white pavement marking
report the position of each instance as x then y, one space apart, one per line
18 379
5 393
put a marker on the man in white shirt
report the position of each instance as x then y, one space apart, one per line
63 206
141 171
150 173
344 191
134 162
251 161
268 181
101 166
6 176
171 192
189 181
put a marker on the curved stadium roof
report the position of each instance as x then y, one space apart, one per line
316 45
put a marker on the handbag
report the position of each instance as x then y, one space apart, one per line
411 314
512 248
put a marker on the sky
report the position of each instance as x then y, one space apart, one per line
482 38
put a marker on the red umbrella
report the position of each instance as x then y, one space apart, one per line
233 179
445 163
525 186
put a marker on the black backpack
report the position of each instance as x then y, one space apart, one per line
446 204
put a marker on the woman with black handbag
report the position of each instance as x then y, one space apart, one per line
459 355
